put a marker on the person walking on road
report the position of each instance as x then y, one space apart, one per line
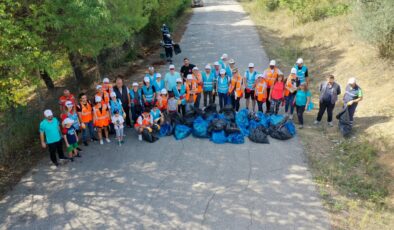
270 75
168 47
101 119
148 93
85 114
302 100
290 92
136 102
171 78
353 95
223 89
179 92
250 79
302 71
329 92
123 94
186 69
67 96
260 92
199 82
277 94
236 88
71 139
50 135
208 78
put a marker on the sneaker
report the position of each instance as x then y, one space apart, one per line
79 149
316 122
63 158
119 143
85 143
108 140
300 126
140 137
122 142
331 124
291 116
78 155
101 142
72 159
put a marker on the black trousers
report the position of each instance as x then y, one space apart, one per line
168 52
300 113
323 106
126 109
260 105
208 98
56 147
268 103
237 103
182 108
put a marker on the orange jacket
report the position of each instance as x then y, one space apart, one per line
107 87
145 120
86 113
104 97
199 82
191 90
290 85
261 91
101 117
162 102
271 77
236 84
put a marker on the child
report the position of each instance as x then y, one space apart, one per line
157 116
143 121
162 100
302 100
172 104
71 139
260 91
118 121
277 94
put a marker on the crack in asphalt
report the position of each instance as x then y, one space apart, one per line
207 207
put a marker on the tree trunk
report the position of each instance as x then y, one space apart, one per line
47 79
75 61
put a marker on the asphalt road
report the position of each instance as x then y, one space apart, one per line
189 184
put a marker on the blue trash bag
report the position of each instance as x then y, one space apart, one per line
276 119
263 119
236 138
211 117
310 107
254 124
200 128
241 118
290 127
182 131
218 137
165 130
244 130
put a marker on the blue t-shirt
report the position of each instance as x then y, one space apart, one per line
171 80
71 138
302 97
51 130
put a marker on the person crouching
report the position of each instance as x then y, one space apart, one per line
143 121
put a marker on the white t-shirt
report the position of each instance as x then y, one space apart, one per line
172 104
118 122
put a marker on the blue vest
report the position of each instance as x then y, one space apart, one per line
229 73
159 86
152 78
74 117
181 92
208 81
250 79
116 106
132 97
223 84
155 114
301 73
148 92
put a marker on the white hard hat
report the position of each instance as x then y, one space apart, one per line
222 71
251 65
189 77
260 76
146 79
158 75
171 67
135 84
97 99
208 67
68 121
224 56
293 71
179 80
151 68
272 63
351 80
98 87
216 63
48 113
68 104
231 61
300 61
106 80
113 94
195 68
163 91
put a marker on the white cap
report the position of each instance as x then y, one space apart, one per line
106 80
272 63
260 76
171 67
224 56
179 80
189 77
158 75
135 83
146 79
222 71
97 99
251 65
351 80
163 91
231 61
168 35
216 63
300 61
113 94
195 68
208 67
98 87
68 121
48 113
293 71
151 68
68 104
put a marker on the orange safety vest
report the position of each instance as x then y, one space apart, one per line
107 87
271 77
191 89
289 85
86 113
199 82
236 83
146 121
102 117
162 102
104 97
261 91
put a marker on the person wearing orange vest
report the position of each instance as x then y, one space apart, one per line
106 86
85 114
260 92
290 92
236 88
67 96
101 119
143 121
198 79
162 100
191 92
270 75
104 95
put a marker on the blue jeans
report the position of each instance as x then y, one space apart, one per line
289 103
223 100
88 128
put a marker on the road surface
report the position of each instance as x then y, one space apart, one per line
189 184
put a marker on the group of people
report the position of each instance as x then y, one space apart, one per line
145 104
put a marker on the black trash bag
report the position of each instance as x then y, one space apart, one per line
280 132
217 125
210 111
258 135
189 118
177 49
232 128
344 124
149 136
198 112
229 113
175 119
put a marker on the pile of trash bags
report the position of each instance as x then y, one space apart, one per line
227 126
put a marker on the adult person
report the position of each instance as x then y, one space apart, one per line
290 92
168 47
186 69
260 92
101 119
50 135
236 89
224 64
123 94
67 96
302 71
208 78
136 101
85 114
171 78
329 91
104 95
151 73
107 86
216 72
148 93
165 30
198 79
250 79
302 100
223 89
277 94
191 92
158 84
179 92
229 71
353 95
270 75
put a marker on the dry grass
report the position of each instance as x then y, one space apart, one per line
330 47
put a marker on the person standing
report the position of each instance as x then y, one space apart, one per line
208 78
277 94
162 100
107 86
302 71
151 74
85 114
229 71
270 75
353 95
117 120
136 101
216 71
168 47
198 79
67 96
71 139
101 119
290 92
123 94
158 84
148 93
104 95
250 79
223 89
115 104
186 69
50 135
236 89
191 92
224 64
171 78
329 92
260 92
179 92
302 100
